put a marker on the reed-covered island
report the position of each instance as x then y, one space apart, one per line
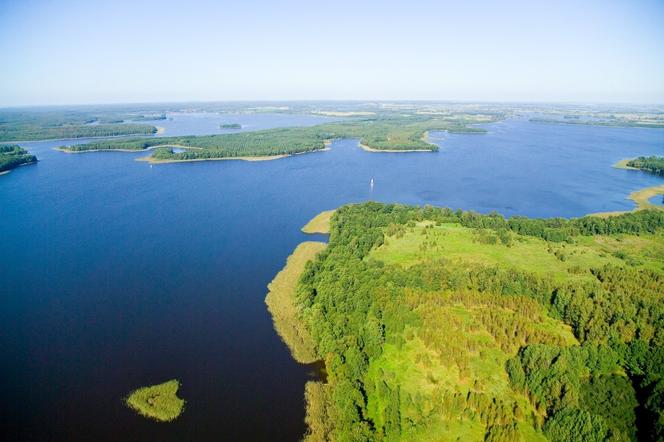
158 402
438 325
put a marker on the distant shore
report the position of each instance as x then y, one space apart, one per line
371 149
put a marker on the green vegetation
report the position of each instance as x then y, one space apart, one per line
281 303
443 325
398 133
51 124
230 126
12 156
651 164
320 223
159 402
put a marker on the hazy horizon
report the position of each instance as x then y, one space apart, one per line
76 53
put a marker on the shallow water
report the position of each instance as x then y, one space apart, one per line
116 274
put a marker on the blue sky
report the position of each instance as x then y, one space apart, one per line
66 52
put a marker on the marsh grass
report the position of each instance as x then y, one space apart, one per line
159 402
320 223
281 303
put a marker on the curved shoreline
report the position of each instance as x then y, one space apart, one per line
641 199
281 303
319 223
622 164
371 149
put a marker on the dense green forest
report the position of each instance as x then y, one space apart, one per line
402 133
42 125
652 164
448 325
12 156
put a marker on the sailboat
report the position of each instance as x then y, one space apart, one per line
372 183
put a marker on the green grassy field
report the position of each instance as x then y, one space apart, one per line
427 241
159 402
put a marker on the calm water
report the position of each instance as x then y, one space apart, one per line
116 274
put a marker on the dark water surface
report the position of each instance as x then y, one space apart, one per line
115 274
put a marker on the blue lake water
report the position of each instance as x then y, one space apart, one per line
116 274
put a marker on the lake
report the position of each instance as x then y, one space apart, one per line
117 274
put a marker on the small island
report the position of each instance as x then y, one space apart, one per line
13 156
230 126
158 402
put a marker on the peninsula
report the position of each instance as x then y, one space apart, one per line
12 156
454 319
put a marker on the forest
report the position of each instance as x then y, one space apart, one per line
394 133
653 164
29 125
437 324
12 156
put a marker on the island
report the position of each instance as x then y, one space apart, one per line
12 156
230 126
158 402
395 134
436 324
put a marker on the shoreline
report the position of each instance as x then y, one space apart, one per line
622 164
319 223
641 198
371 149
281 303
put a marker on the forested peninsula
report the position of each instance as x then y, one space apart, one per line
652 164
12 156
449 325
44 125
385 134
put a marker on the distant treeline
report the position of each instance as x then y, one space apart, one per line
618 122
652 164
12 156
403 133
42 125
409 351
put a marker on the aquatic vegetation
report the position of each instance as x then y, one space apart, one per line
320 223
159 402
282 306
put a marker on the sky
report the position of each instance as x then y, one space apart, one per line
120 51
